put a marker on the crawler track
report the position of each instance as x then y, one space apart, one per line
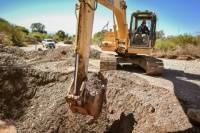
151 65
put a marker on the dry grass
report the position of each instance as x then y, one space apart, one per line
4 39
188 52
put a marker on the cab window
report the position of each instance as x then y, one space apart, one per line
139 38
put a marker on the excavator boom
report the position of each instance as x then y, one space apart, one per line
77 96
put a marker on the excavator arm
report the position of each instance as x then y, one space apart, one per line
77 97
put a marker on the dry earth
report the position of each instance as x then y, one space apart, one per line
33 87
188 52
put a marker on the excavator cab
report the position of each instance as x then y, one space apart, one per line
137 38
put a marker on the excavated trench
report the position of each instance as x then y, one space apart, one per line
30 97
33 100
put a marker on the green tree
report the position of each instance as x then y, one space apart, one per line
71 38
38 27
99 36
61 34
36 35
66 35
23 29
56 38
160 34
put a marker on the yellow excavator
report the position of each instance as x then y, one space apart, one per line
129 45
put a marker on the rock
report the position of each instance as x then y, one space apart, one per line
194 115
7 127
152 109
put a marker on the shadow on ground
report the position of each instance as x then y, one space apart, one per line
123 125
14 94
185 89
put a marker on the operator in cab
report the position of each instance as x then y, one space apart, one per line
143 28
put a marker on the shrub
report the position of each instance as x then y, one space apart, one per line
18 37
98 36
164 44
183 40
5 39
14 34
198 39
23 29
47 36
41 36
172 42
55 38
36 35
71 38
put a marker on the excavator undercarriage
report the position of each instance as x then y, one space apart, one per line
151 65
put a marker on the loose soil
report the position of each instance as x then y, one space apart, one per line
33 86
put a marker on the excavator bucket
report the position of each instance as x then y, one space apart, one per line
91 97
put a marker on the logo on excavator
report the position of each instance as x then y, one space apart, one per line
111 1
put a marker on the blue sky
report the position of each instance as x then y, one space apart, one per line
174 16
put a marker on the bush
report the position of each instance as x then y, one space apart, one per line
56 38
23 29
198 39
36 35
183 40
13 33
98 36
164 44
18 37
71 38
172 42
41 36
5 39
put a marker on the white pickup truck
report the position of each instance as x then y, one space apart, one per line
48 43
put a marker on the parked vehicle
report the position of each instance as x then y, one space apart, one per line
48 43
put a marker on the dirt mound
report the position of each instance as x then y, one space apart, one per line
61 52
12 50
11 56
9 59
66 52
94 54
188 52
52 54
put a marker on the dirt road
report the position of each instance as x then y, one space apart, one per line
33 87
35 47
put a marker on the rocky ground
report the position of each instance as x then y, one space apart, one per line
33 87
